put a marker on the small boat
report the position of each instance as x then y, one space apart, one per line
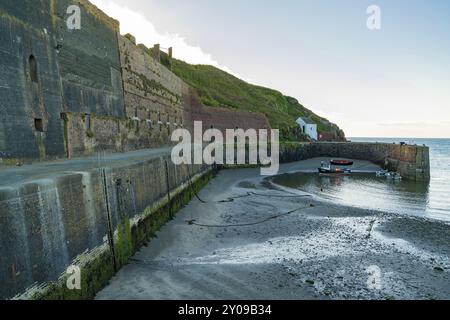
382 174
394 176
341 162
328 170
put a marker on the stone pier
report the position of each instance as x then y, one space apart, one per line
411 161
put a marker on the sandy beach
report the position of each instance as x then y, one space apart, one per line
254 240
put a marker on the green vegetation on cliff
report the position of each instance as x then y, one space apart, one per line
220 89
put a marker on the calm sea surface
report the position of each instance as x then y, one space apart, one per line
404 197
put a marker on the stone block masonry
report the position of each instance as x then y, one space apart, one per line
73 93
89 61
93 218
153 94
30 87
48 71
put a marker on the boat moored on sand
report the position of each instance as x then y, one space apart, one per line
394 176
326 169
389 175
382 174
346 163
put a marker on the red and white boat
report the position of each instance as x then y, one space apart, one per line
345 163
326 169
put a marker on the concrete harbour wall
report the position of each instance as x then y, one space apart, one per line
93 219
96 219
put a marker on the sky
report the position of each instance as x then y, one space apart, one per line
392 82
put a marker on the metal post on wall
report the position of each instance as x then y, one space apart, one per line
168 188
109 219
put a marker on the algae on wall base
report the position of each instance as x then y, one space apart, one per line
77 215
97 268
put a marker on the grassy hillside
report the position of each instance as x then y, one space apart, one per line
220 89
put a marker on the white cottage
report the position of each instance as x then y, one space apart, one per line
308 127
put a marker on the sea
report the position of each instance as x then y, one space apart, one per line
423 199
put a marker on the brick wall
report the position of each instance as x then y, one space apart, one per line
223 119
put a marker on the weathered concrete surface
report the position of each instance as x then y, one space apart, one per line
322 252
150 88
72 103
92 212
26 31
154 96
77 71
89 61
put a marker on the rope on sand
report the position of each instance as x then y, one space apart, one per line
249 194
192 222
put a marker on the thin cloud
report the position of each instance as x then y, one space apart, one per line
145 32
414 124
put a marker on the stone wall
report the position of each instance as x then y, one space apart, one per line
95 219
48 70
156 102
412 162
29 99
152 92
89 61
72 93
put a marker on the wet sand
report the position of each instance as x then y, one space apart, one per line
323 251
